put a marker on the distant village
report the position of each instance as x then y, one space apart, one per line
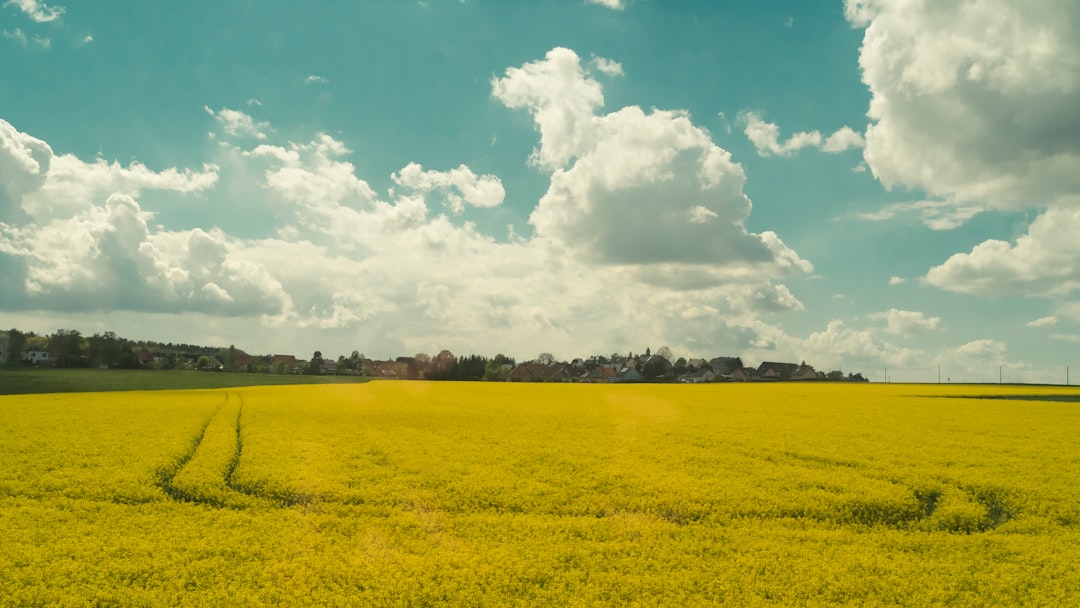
69 348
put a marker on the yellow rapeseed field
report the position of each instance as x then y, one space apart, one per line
462 494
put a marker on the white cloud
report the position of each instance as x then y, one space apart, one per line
20 38
316 79
974 102
107 257
459 185
844 138
24 164
907 322
936 215
766 138
612 4
1043 322
895 280
313 176
1041 262
979 349
562 98
36 10
985 361
631 187
837 347
239 124
607 66
44 186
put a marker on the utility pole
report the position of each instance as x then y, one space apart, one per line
999 374
939 374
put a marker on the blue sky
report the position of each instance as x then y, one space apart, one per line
861 184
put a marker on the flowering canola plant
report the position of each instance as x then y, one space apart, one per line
463 494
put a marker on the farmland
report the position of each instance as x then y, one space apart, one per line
428 494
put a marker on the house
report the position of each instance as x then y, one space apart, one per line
242 361
698 376
540 372
387 369
696 363
598 375
771 370
806 372
744 374
725 366
281 363
628 374
36 356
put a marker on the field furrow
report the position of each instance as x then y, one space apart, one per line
204 476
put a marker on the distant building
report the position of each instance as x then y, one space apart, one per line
36 356
539 372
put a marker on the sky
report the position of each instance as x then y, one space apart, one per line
883 186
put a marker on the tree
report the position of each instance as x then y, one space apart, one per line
315 366
66 348
423 363
230 359
442 365
497 368
202 363
546 358
680 367
16 346
665 352
656 368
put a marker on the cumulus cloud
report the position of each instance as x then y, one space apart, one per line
766 138
43 185
37 11
24 163
631 187
612 4
562 98
974 102
607 66
895 280
314 174
837 347
1041 262
907 322
459 185
238 124
1043 322
107 257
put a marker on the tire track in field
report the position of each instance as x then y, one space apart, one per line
205 477
932 502
166 475
235 461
